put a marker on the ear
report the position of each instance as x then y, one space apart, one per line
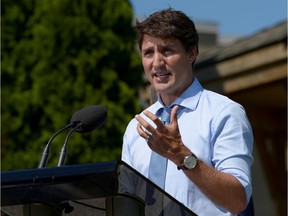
192 54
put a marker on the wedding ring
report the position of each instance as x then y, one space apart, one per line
149 137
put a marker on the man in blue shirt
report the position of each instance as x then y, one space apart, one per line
208 143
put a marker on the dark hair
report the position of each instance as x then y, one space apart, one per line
169 23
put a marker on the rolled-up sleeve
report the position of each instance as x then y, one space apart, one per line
233 145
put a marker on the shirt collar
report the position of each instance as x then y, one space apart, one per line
188 99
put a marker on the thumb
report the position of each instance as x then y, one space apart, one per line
173 116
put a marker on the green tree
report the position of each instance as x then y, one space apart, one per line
58 57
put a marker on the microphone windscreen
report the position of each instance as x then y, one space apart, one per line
90 117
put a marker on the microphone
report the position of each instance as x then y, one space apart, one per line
86 120
82 121
90 117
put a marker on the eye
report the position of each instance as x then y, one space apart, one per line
167 52
147 53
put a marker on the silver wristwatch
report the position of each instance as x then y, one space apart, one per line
189 162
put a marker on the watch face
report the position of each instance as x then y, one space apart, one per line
190 162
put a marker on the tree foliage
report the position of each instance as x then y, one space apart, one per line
58 57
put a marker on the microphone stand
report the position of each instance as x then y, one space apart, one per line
46 151
64 149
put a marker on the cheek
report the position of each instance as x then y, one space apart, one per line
146 65
147 71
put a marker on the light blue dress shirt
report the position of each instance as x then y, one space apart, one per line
215 129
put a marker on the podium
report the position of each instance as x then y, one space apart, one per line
102 189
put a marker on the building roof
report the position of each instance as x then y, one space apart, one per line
263 38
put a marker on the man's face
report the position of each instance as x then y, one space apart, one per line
167 66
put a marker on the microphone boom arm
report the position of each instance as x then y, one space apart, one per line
46 151
64 149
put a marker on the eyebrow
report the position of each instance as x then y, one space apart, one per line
160 47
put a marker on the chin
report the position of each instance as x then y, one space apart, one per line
161 89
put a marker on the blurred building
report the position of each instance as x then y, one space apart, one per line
253 72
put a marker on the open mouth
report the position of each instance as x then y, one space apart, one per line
161 74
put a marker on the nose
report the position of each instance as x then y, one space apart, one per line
158 61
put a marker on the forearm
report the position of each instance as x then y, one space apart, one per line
222 188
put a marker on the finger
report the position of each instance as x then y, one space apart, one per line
141 131
173 116
154 118
147 136
149 128
141 120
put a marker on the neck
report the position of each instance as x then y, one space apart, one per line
167 98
